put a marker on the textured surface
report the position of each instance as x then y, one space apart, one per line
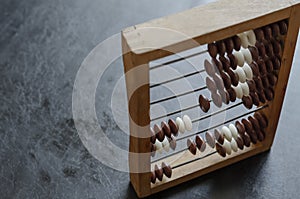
42 45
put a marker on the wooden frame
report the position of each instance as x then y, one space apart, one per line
200 25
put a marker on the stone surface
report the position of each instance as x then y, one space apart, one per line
42 45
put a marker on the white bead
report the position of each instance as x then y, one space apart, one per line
227 133
251 37
239 58
241 73
234 146
248 71
187 122
180 125
233 130
247 55
245 89
158 146
166 144
244 40
227 147
238 91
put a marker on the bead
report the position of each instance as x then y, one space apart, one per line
247 101
166 144
244 40
187 122
247 55
217 99
173 126
234 145
227 133
211 85
251 37
153 177
239 57
180 125
221 150
166 128
167 169
201 145
210 139
238 91
172 142
209 68
160 135
212 50
227 147
191 146
241 74
245 89
219 137
248 71
240 143
232 94
153 136
204 103
233 130
159 172
158 146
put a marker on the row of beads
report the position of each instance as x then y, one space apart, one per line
159 172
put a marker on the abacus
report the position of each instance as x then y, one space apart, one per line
244 62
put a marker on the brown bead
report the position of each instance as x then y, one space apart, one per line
262 67
225 62
275 29
225 96
277 48
251 85
262 97
212 50
255 68
217 99
167 169
269 49
226 80
153 177
254 52
210 139
268 32
220 149
246 139
160 135
258 83
254 123
218 81
234 78
204 103
276 63
191 146
219 136
153 149
159 173
172 142
217 64
237 43
269 93
173 127
272 79
240 142
229 45
247 101
259 33
283 27
166 129
265 81
260 135
240 127
253 137
255 98
233 61
221 47
232 94
261 49
209 68
201 145
248 125
211 85
269 66
153 136
261 119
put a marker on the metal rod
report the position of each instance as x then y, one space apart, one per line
178 59
177 78
188 162
175 96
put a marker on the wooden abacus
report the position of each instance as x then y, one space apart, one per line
257 73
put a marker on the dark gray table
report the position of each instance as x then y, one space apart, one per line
42 45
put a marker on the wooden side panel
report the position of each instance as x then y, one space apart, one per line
274 109
137 84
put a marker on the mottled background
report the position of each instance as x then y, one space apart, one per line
42 44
